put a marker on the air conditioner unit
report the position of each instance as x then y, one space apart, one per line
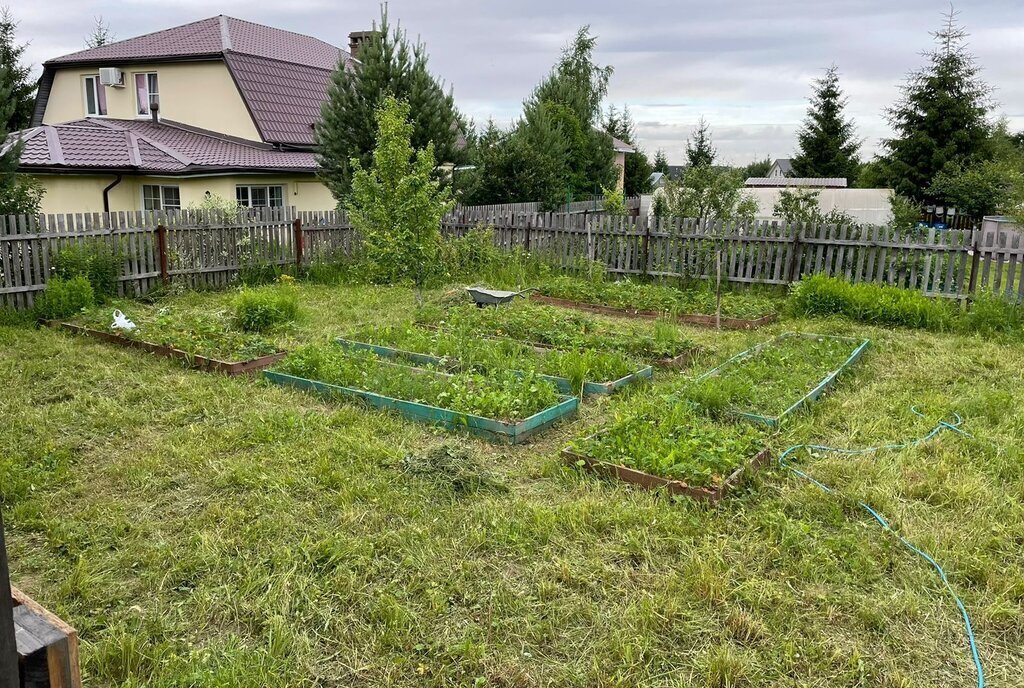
112 76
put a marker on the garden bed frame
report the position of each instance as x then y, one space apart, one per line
562 384
820 388
687 318
194 361
674 488
678 361
47 646
489 428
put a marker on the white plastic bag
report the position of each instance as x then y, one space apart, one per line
121 322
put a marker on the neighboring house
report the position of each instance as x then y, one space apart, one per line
782 167
621 149
657 180
219 107
804 182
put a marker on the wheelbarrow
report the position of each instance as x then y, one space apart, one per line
494 297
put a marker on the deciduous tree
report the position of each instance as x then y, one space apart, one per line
396 204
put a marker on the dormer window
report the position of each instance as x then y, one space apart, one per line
147 90
95 97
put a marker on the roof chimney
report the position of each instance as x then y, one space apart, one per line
356 40
154 110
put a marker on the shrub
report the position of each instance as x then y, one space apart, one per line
471 254
97 261
262 309
990 314
64 297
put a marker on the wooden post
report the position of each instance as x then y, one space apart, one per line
161 244
975 260
8 645
793 269
718 289
297 228
645 243
526 242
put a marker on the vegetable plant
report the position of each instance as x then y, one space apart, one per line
675 441
502 394
263 308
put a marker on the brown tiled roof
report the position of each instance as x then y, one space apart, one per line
213 37
282 76
143 146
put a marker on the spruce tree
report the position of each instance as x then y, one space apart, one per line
15 75
828 147
660 161
940 117
699 151
388 64
18 193
101 34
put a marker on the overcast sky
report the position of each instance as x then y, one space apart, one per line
744 65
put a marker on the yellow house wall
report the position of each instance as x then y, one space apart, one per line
201 94
84 193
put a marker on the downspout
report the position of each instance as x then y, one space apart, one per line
106 190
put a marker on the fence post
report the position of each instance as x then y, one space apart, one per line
646 244
526 241
793 269
161 245
8 644
297 228
975 259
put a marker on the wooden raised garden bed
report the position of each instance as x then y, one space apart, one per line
688 318
489 428
672 487
192 360
824 384
562 384
47 647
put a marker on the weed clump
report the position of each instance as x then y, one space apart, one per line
265 308
64 297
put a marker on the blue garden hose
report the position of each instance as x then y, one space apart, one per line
942 425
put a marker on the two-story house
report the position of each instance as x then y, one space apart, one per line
218 107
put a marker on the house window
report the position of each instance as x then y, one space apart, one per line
160 197
147 90
260 196
95 97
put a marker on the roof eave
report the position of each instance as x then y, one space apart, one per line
94 62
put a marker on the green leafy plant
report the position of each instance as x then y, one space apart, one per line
504 394
97 261
64 297
264 308
470 254
674 441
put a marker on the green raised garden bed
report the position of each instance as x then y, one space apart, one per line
563 385
494 430
786 373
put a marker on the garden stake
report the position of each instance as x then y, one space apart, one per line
942 425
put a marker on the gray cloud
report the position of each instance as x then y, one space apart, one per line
744 65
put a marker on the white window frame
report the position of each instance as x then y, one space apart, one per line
149 94
96 94
266 188
162 192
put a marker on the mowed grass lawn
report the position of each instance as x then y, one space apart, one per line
201 530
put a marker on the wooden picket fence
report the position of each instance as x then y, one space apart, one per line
202 249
